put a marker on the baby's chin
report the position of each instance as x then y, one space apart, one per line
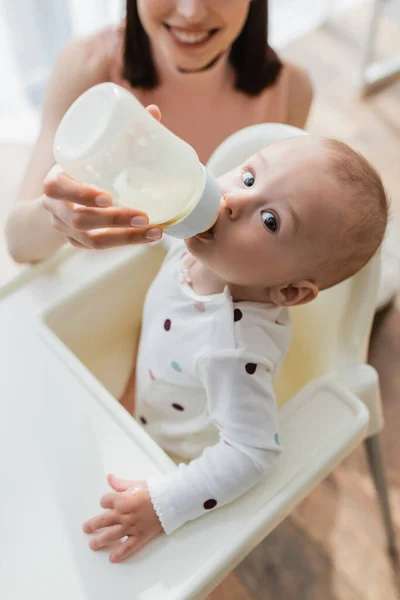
189 244
204 252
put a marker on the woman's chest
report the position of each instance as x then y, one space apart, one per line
205 121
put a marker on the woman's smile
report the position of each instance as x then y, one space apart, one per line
190 38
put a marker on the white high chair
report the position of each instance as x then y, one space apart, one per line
69 326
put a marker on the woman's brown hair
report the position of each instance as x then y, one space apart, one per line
256 65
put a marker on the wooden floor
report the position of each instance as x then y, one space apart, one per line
333 547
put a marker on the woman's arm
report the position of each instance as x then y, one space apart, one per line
300 96
82 64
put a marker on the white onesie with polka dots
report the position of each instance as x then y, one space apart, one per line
204 391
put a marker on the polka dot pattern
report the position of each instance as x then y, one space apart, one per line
250 368
237 315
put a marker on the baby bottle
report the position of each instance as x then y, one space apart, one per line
108 139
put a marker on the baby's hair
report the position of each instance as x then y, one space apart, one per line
365 223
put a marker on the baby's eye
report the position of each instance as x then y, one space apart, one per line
248 178
270 220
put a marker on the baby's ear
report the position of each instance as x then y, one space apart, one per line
294 294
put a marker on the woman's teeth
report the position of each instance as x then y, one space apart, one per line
190 38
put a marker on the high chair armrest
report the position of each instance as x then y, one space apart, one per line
65 438
363 381
320 426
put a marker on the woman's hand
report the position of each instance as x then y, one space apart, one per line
130 514
85 215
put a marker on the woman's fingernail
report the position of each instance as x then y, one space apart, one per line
139 222
103 201
154 234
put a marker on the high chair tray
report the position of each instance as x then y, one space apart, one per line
62 431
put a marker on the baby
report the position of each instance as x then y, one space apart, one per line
298 217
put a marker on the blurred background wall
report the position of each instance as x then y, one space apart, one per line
32 32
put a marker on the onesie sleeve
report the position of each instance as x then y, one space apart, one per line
241 403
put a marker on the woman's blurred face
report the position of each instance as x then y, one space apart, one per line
192 34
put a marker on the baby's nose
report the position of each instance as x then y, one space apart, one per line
234 204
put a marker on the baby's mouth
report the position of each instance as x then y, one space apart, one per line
207 236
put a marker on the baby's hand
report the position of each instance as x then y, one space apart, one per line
130 513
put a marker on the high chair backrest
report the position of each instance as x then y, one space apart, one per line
332 332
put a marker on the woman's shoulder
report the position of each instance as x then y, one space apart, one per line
288 99
81 64
89 56
299 93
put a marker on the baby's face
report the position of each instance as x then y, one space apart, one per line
278 212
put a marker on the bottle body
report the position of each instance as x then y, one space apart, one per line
108 139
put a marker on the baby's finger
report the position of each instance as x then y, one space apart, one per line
108 500
107 537
106 519
119 485
126 504
125 549
59 186
122 504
